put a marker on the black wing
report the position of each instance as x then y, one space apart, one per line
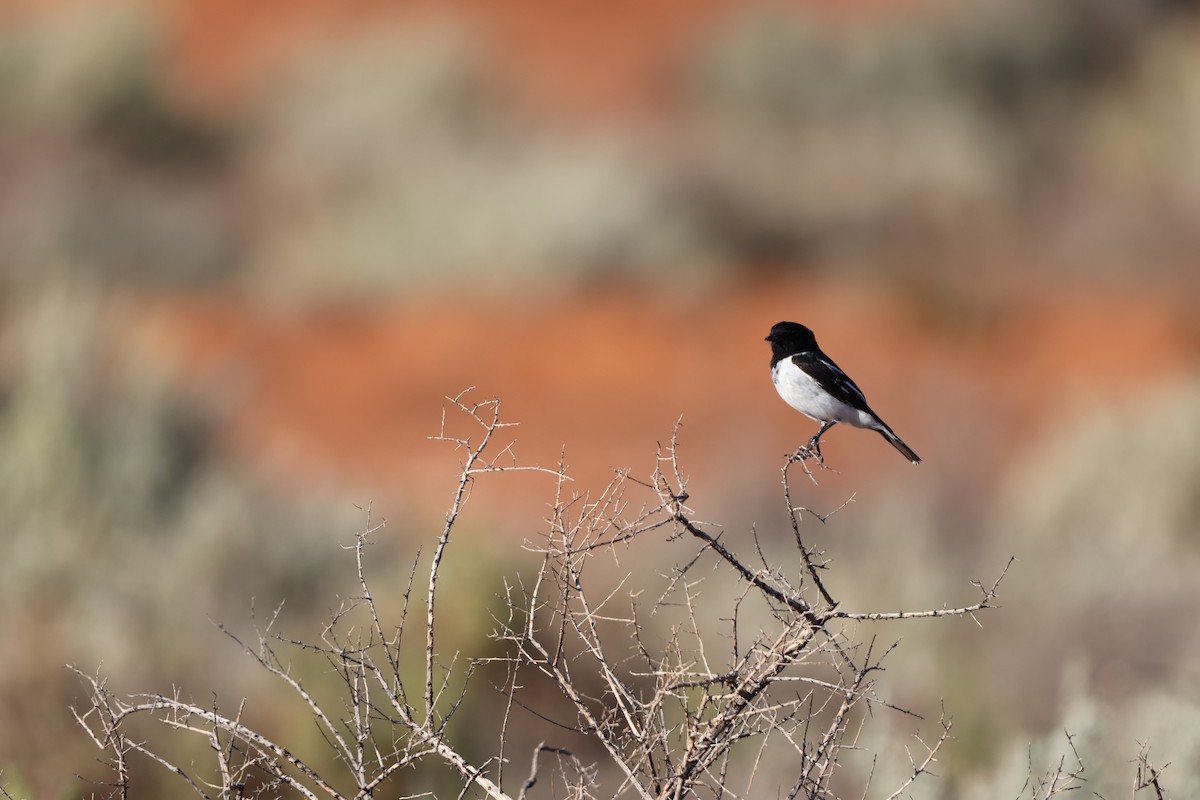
829 376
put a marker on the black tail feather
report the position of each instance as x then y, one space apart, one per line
899 444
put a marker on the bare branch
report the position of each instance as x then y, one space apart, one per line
1148 775
533 767
677 698
989 597
929 759
794 512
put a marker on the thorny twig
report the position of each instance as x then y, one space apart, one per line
668 704
1148 775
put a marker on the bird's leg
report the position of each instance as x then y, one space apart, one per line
814 444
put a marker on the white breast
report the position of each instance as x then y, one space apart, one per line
805 395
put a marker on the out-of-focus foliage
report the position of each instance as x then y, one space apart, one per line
813 137
1100 743
921 134
397 159
123 531
103 175
1164 723
127 536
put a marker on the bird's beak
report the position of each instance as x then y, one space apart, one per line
766 338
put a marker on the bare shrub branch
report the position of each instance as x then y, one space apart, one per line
1066 776
675 694
676 735
1149 776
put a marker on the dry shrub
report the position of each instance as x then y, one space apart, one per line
610 682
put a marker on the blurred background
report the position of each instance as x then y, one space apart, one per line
246 251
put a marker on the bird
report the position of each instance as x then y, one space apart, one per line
810 382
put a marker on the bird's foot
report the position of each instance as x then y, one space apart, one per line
810 450
814 449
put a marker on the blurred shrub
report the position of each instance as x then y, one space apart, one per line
813 136
817 140
1142 144
1107 738
104 174
1125 475
102 465
59 72
396 161
1108 512
123 529
394 158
